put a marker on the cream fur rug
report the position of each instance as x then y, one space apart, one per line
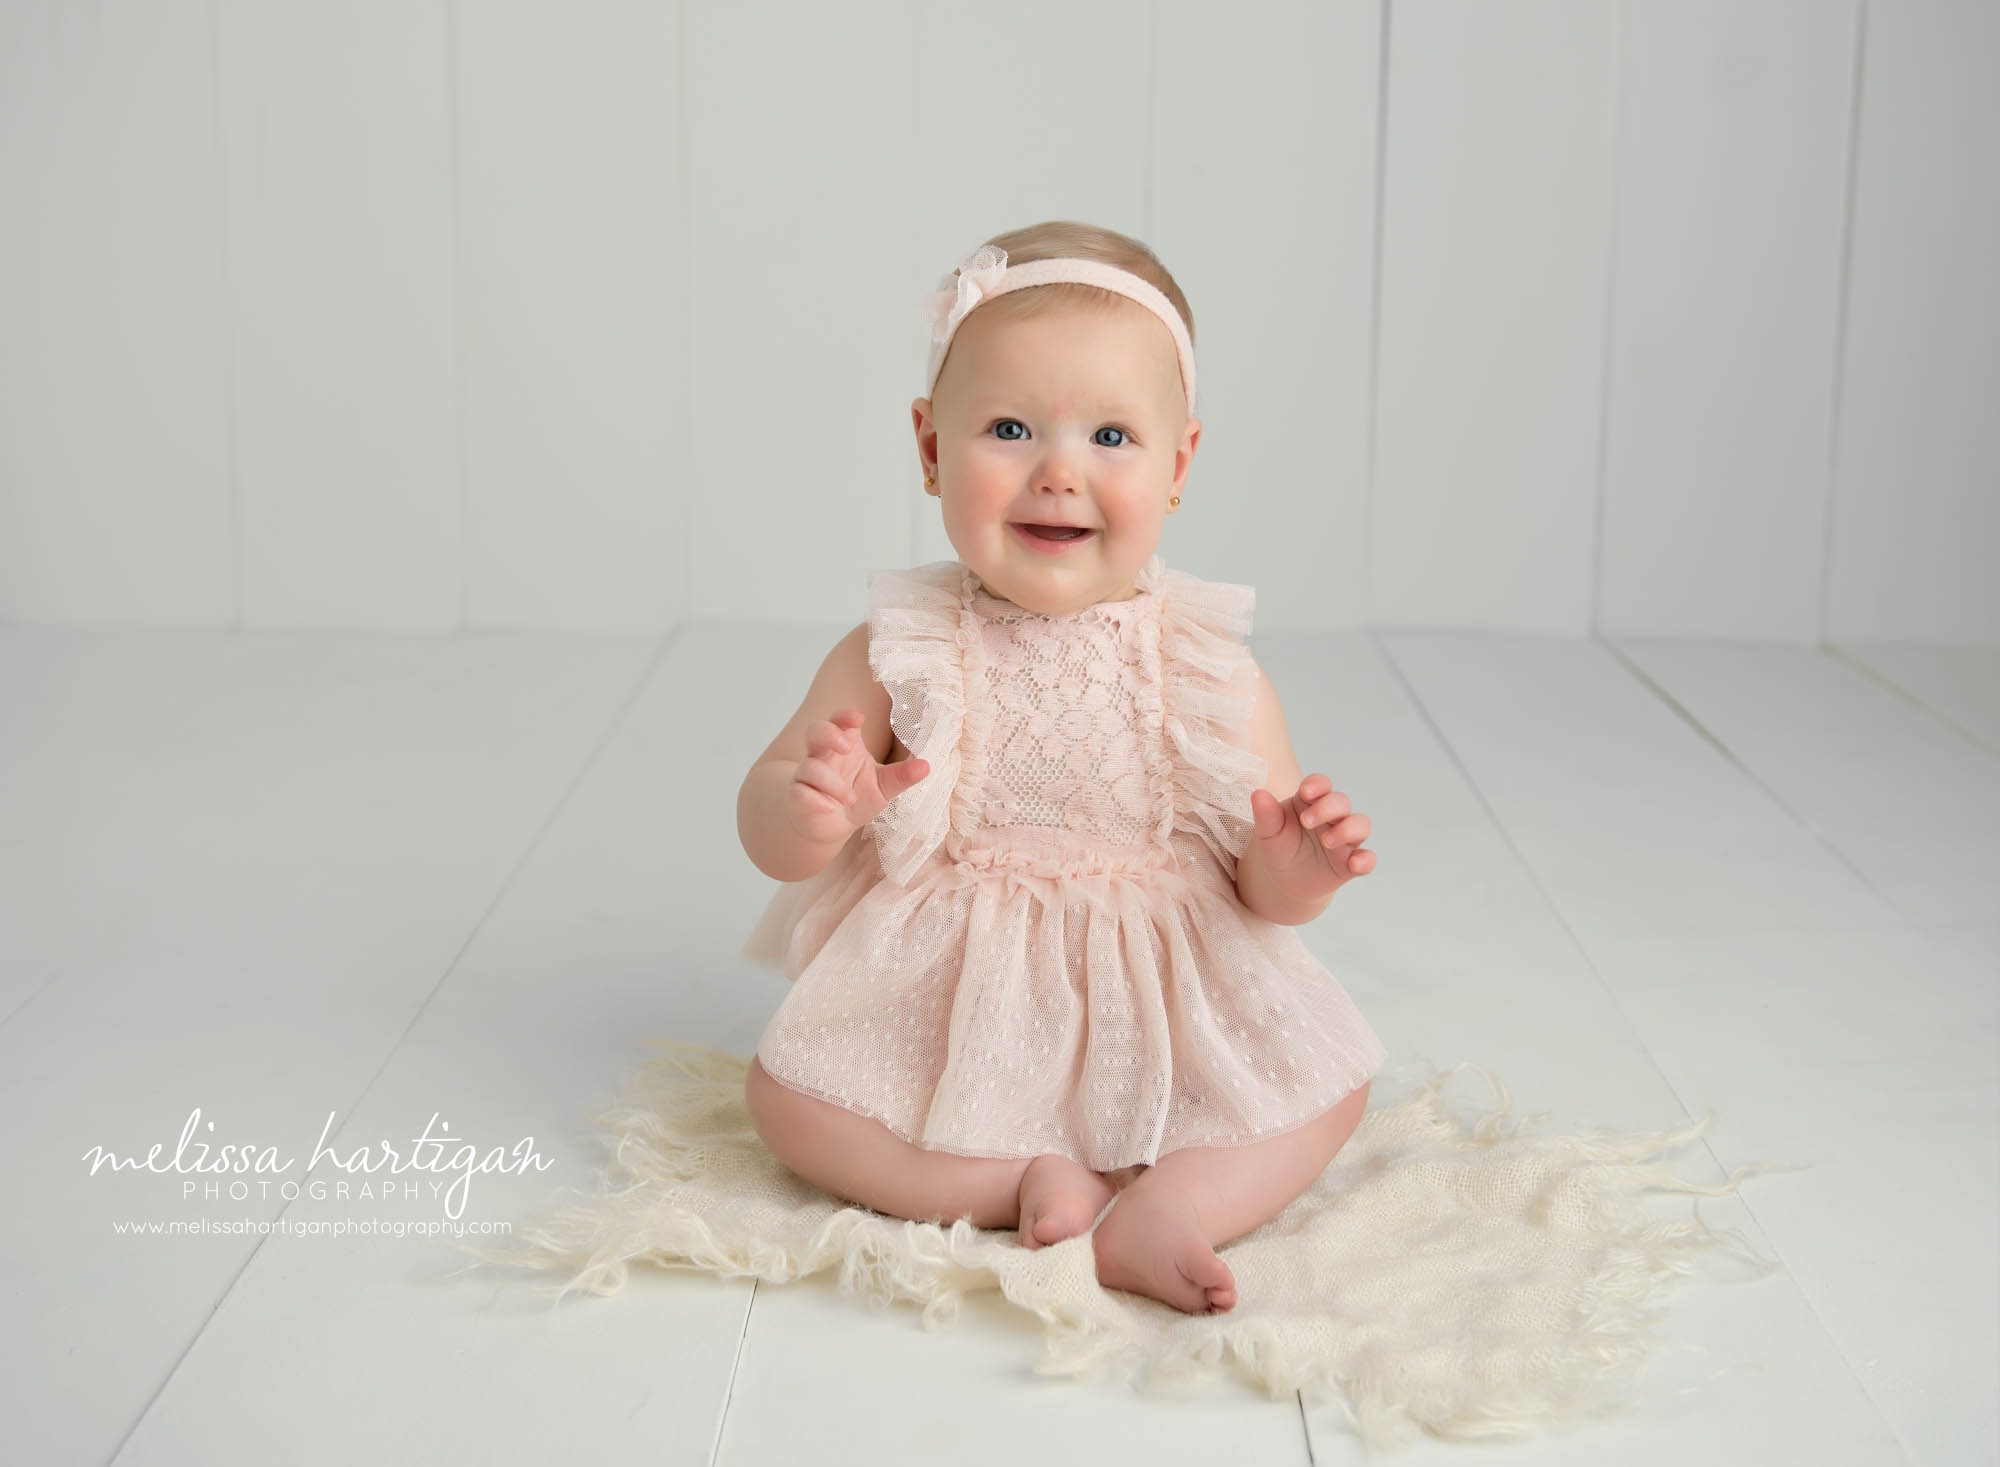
1466 1281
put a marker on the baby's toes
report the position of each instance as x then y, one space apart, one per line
1201 1266
1157 1248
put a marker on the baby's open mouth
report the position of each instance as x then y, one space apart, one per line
1057 532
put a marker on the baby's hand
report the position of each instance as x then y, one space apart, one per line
839 787
1313 836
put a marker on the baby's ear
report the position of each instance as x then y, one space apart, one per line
1184 458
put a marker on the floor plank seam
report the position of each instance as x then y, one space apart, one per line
46 985
1548 900
735 1367
1687 716
569 790
1812 1308
1854 660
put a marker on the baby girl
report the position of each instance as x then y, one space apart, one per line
1058 984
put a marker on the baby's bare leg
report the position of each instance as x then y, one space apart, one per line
1160 1237
861 1160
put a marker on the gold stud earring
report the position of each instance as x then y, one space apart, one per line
1174 503
929 479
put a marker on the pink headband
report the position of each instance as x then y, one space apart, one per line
985 273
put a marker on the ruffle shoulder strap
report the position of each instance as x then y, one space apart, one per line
918 631
1210 688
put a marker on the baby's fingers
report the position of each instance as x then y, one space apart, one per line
834 735
893 779
823 779
1349 831
1268 815
1321 808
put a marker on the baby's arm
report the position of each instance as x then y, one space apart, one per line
763 819
1308 837
1270 739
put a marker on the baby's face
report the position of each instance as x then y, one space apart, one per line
1073 418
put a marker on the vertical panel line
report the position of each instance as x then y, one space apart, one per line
1146 203
1605 353
1385 16
455 154
1836 387
1611 316
232 467
689 606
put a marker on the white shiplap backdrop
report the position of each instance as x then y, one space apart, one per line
1663 316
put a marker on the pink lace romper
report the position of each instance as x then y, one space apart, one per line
1041 947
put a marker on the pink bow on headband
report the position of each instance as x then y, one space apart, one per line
976 277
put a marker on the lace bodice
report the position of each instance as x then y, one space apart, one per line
1107 740
1075 734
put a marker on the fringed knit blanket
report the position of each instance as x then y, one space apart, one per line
1466 1281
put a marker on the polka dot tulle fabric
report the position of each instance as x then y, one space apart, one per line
1039 947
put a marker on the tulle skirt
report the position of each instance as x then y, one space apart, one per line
1112 1018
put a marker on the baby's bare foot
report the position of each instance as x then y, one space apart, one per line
1152 1244
1059 1199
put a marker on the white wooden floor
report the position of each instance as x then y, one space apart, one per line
277 876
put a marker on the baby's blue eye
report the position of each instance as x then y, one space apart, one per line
1123 436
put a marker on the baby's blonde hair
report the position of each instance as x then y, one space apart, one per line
1067 238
